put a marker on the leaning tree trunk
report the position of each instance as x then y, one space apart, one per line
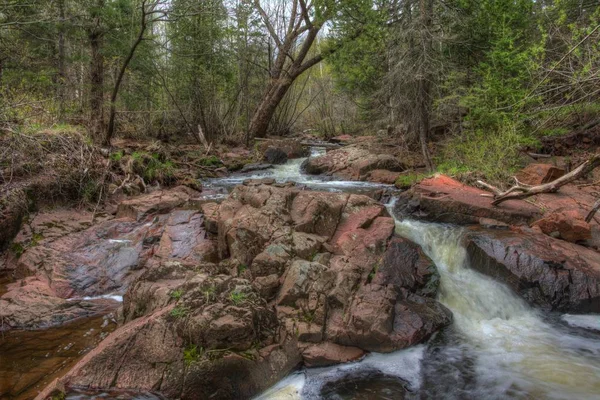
264 113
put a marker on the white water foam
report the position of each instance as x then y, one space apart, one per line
589 321
114 297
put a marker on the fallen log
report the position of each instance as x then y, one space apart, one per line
522 191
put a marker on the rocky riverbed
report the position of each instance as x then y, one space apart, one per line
224 299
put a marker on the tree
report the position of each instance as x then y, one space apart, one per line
293 30
149 13
95 32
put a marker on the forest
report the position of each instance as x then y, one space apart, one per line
468 83
299 199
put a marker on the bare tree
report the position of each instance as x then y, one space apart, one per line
292 44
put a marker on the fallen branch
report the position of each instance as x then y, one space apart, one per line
523 191
595 208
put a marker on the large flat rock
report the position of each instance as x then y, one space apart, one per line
548 272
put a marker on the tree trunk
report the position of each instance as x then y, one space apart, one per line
95 35
113 98
265 111
62 75
424 81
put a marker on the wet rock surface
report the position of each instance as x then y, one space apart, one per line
548 272
68 268
298 276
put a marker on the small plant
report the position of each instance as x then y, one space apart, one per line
176 294
308 316
237 298
116 156
372 273
17 248
179 312
209 292
192 354
241 268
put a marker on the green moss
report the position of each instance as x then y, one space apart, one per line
407 180
153 167
554 132
58 395
116 156
372 273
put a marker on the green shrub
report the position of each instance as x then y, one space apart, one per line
495 154
152 168
176 294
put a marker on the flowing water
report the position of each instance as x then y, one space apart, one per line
292 172
497 347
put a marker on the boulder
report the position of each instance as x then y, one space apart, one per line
536 174
547 272
275 155
70 276
383 176
355 162
291 148
327 353
13 207
215 339
255 167
569 225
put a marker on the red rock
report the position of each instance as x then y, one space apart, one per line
353 162
569 224
444 199
383 176
327 353
536 174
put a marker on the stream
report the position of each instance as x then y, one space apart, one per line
497 347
